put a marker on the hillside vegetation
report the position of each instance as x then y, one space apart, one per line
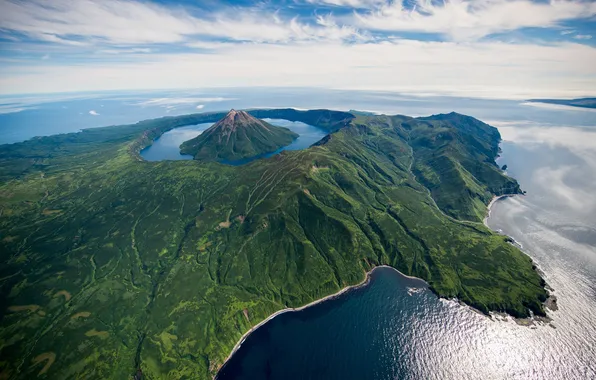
110 263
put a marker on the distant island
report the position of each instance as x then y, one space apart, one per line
582 102
112 265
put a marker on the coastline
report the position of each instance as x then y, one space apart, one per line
366 281
551 302
361 284
491 203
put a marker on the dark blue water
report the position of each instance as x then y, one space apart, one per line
314 343
167 146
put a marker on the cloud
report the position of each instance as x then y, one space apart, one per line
172 102
583 37
126 51
473 19
561 107
135 22
200 106
211 45
12 108
94 113
137 44
553 181
348 3
555 136
45 57
556 179
472 69
565 32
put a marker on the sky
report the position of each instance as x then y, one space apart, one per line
478 48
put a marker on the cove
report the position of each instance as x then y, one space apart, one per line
346 337
167 146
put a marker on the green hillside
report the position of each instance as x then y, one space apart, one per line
236 136
110 263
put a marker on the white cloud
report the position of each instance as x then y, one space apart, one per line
557 136
266 49
209 45
349 3
565 32
172 102
125 51
561 107
94 113
553 180
579 142
470 69
473 19
136 22
200 106
583 37
12 108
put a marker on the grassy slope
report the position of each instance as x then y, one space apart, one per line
122 262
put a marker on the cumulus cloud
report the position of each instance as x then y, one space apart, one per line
473 19
93 113
200 106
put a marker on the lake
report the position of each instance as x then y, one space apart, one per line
167 146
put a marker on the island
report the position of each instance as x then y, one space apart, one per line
582 102
237 136
112 265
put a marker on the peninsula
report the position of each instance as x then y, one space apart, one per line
582 102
